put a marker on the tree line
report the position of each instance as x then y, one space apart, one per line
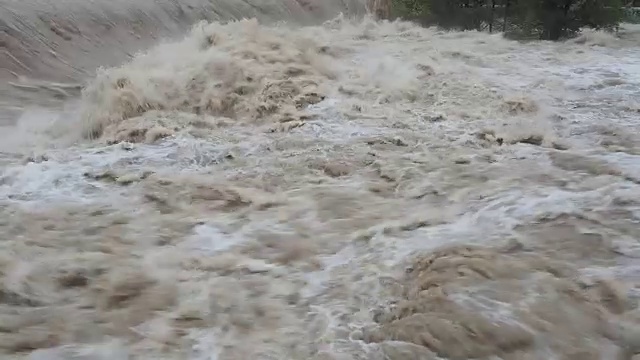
534 19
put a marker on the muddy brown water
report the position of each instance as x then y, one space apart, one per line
346 189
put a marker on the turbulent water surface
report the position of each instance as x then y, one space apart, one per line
348 190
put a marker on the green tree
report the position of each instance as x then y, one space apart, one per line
416 10
556 19
448 14
460 14
601 14
543 19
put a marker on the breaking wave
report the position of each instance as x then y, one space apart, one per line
48 49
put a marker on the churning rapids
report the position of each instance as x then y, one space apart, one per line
346 190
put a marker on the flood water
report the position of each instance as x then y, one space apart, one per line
310 185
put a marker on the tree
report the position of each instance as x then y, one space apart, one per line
543 19
601 14
460 14
556 19
416 10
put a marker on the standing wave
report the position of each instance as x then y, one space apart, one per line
47 48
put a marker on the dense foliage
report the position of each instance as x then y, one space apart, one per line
632 15
543 19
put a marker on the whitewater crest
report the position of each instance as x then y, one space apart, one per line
239 71
48 50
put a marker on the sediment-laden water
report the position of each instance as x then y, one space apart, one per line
348 190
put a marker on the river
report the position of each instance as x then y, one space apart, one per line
321 187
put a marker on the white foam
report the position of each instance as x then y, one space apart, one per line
210 240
